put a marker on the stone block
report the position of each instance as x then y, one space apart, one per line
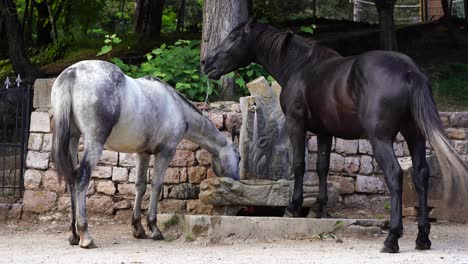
119 174
124 204
365 147
203 157
398 148
37 160
360 201
106 187
352 164
100 204
64 204
312 144
311 161
127 159
217 119
456 133
91 188
126 189
35 141
187 145
459 119
32 179
102 172
233 119
42 92
336 162
172 175
369 184
349 147
197 207
366 167
51 182
183 158
183 191
346 184
461 146
38 201
196 175
109 157
47 142
172 206
40 122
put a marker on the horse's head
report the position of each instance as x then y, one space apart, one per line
226 163
234 52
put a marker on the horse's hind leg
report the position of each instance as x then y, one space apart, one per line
323 164
92 152
162 160
74 239
385 155
417 147
140 189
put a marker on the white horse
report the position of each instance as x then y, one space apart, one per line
145 116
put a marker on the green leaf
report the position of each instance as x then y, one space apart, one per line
149 56
107 41
116 40
104 50
250 73
307 29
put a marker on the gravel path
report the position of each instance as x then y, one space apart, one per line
48 244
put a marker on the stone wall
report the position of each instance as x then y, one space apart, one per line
111 192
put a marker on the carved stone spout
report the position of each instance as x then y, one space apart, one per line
264 144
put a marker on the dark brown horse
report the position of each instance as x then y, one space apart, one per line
374 95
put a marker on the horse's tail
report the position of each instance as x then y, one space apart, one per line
425 113
62 111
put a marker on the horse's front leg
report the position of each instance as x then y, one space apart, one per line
162 160
296 133
324 143
140 188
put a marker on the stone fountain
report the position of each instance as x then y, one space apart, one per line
266 159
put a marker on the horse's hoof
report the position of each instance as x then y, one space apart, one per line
139 232
292 211
426 245
387 249
156 235
73 240
87 243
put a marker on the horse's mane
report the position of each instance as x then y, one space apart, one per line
270 40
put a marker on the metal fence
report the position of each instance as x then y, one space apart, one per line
14 128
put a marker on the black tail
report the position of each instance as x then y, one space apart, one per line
61 106
453 167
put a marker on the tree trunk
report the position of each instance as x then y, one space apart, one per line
447 19
385 8
465 3
16 49
43 25
219 18
181 16
357 10
148 18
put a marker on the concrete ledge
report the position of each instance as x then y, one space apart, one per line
219 228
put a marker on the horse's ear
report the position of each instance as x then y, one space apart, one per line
248 25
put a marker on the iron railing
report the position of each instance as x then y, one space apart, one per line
14 129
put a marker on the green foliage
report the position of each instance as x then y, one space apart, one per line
169 20
109 41
308 29
52 52
176 64
179 66
5 70
450 83
387 206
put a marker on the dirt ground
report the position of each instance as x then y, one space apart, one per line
47 243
